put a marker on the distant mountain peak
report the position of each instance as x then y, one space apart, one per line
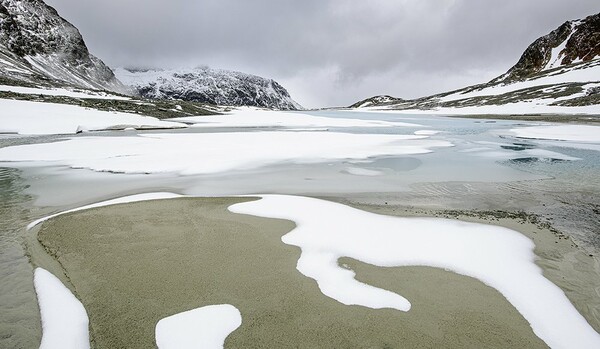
207 85
38 46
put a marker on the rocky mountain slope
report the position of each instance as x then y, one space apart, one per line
37 46
212 86
558 70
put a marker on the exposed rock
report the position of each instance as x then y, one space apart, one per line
573 41
212 86
40 47
377 100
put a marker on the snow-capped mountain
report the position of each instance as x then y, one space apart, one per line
559 72
206 85
38 46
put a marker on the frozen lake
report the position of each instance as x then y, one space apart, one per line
454 163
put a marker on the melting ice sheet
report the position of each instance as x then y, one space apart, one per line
499 257
205 153
581 133
252 117
205 327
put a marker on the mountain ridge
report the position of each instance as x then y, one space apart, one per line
38 46
207 85
550 72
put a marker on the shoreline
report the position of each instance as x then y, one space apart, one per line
584 119
211 208
563 262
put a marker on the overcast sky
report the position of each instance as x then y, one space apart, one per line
325 52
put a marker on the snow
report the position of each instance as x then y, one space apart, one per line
25 117
121 200
495 151
205 327
254 117
556 57
589 74
214 86
426 132
358 171
64 319
540 106
61 92
499 257
206 153
578 133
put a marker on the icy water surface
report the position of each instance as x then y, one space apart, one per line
486 169
19 314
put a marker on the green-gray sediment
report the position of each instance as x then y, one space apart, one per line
571 268
133 264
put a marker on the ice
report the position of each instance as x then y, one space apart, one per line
208 153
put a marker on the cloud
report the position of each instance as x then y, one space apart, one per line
326 52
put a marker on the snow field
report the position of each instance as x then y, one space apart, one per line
36 118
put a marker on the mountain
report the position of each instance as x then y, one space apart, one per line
571 43
38 46
206 85
557 71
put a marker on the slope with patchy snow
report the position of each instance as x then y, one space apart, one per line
38 46
558 73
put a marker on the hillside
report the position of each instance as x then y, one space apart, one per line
206 85
557 73
38 46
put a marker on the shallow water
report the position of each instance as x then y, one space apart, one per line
485 170
19 314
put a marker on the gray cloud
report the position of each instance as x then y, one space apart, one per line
326 52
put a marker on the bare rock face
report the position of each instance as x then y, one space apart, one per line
584 44
206 85
572 42
38 46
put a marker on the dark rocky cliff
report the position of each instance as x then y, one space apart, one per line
575 41
37 46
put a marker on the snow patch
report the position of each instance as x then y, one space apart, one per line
358 171
205 327
426 132
538 106
590 74
121 200
64 319
578 133
61 92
